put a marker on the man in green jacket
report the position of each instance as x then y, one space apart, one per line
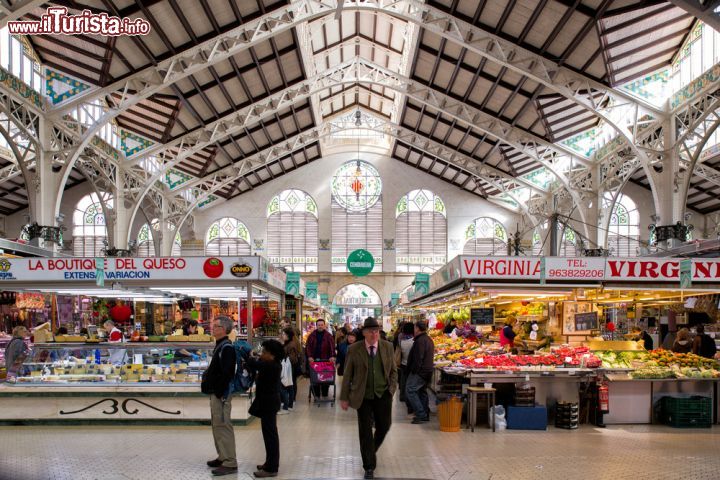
368 386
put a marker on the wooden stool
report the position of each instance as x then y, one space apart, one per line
473 393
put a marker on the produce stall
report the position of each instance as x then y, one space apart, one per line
637 379
151 381
555 375
570 304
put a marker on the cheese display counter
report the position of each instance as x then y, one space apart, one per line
143 382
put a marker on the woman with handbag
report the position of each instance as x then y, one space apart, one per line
293 355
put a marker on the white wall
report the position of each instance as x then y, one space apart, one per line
398 179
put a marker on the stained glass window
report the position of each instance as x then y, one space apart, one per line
18 58
177 245
485 236
539 239
569 242
624 231
292 231
89 230
420 232
356 205
145 243
227 236
356 186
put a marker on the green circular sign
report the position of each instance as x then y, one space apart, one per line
360 263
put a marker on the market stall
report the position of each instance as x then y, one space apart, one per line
567 329
147 378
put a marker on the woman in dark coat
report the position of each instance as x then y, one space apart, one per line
267 403
343 348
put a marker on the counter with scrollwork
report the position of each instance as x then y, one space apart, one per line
150 383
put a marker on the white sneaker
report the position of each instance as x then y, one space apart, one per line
283 412
292 409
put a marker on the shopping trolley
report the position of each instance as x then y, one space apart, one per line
322 373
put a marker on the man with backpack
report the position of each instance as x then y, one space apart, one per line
216 382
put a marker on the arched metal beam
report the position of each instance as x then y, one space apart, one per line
20 167
360 71
694 164
145 83
26 121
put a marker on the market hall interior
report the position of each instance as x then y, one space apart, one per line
523 194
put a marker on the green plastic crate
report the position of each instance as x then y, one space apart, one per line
688 412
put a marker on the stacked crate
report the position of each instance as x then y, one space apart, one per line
690 412
524 395
567 415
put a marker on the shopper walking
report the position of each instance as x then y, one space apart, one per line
405 344
16 352
420 370
320 346
267 403
350 338
368 386
216 382
293 351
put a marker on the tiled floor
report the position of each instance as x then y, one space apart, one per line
321 443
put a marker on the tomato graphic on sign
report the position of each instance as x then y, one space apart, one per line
213 267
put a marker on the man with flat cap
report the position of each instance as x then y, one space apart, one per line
368 386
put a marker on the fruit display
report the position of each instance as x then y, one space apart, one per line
666 358
492 358
459 315
449 350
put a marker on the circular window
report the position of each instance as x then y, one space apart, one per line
356 186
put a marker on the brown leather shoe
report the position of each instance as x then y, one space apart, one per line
214 463
264 474
224 471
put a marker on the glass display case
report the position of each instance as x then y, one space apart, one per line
143 383
141 363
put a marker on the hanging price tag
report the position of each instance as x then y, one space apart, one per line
568 359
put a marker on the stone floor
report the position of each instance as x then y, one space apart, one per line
321 443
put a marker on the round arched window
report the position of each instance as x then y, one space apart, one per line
356 186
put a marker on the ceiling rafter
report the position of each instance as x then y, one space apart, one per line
353 72
17 10
705 10
563 80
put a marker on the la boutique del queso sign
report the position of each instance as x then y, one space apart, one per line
116 269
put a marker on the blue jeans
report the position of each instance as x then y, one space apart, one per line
285 397
416 395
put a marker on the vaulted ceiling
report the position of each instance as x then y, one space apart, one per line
610 42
